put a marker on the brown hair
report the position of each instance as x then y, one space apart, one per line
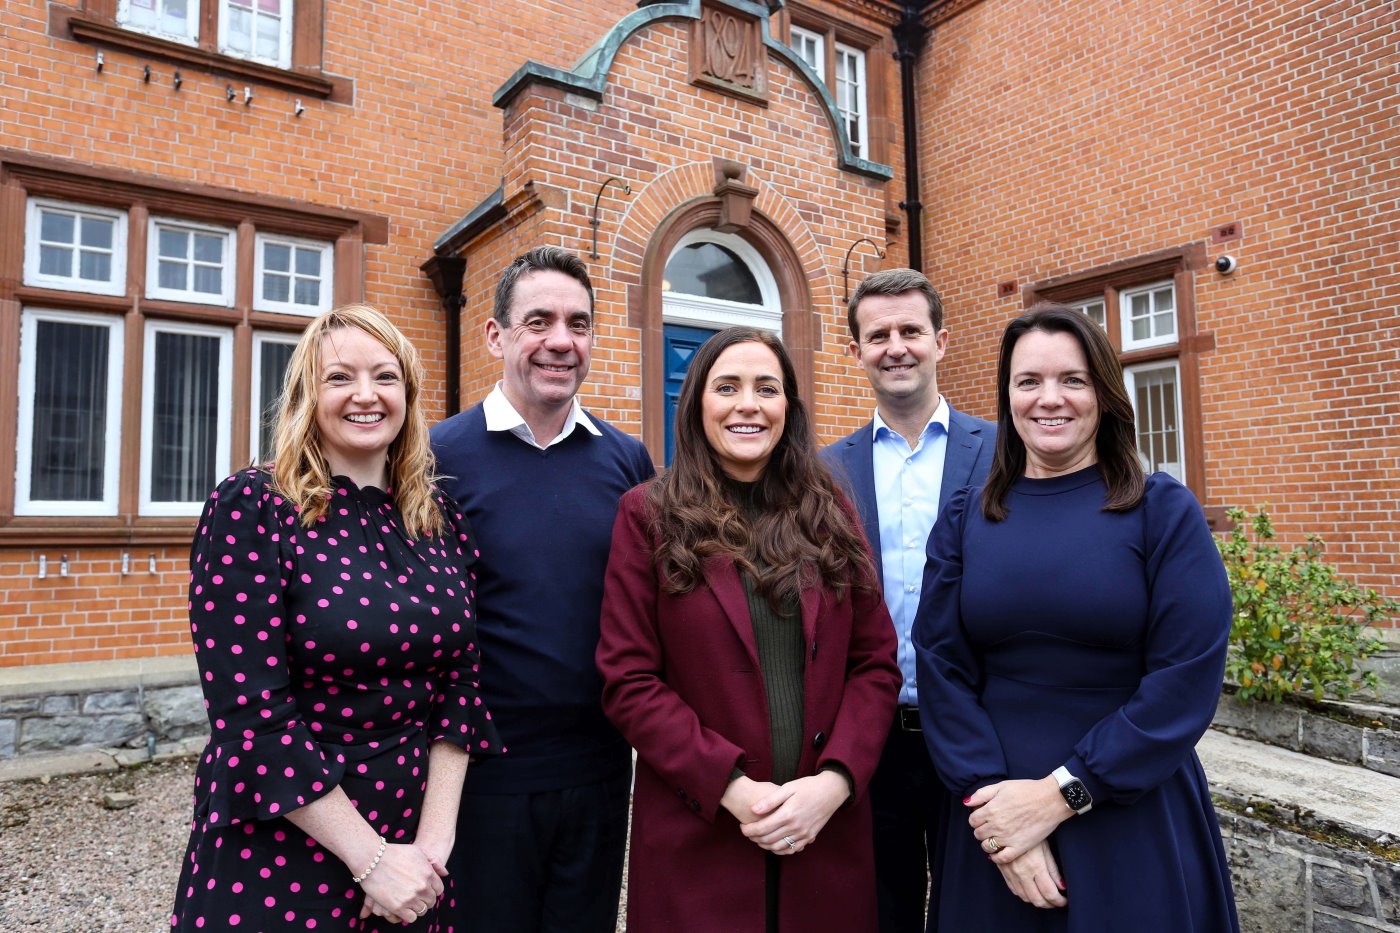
299 467
539 259
805 534
1116 438
895 282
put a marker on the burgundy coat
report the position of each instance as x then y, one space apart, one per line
682 683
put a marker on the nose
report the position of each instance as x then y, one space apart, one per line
557 338
896 346
365 390
748 400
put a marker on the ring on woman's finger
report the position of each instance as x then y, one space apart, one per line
992 846
790 842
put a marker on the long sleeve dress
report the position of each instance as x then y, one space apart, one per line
329 656
1067 635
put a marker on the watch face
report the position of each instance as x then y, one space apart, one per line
1076 796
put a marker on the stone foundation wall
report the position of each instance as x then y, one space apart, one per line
136 717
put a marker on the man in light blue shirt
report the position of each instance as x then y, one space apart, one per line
899 469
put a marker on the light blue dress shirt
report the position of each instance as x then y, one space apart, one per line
907 487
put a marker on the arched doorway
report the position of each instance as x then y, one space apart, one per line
712 280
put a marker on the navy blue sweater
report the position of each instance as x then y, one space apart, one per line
543 520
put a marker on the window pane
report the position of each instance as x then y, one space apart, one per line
270 6
712 271
55 260
1158 425
96 267
208 248
308 292
277 257
70 412
172 275
273 359
269 37
174 244
209 280
55 228
98 232
185 420
276 287
240 29
176 18
309 262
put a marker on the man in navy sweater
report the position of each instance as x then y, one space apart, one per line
543 827
899 469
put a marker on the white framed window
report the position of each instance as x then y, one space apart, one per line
717 280
186 407
293 276
271 354
189 262
75 247
258 30
69 438
1148 316
170 19
811 48
850 95
1093 309
1155 390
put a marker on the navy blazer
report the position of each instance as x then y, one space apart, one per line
971 442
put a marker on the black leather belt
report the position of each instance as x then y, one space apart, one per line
906 719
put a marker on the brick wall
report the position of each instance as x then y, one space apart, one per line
1057 143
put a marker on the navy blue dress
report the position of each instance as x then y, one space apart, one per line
1067 635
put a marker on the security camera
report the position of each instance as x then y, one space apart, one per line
1226 264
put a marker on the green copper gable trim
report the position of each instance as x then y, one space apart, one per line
590 75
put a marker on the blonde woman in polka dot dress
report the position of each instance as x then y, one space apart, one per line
332 613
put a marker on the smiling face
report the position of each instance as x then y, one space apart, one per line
899 349
360 404
546 346
744 408
1054 405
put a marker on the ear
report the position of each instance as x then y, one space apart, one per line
491 330
940 343
853 348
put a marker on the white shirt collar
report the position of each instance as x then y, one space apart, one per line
939 417
502 416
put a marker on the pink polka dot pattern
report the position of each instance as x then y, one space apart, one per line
329 657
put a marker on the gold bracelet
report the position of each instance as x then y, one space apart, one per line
374 864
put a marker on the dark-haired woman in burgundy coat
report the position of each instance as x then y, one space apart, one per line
748 657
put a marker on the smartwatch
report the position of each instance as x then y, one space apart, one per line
1076 795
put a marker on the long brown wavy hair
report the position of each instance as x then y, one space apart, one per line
1116 439
804 535
299 467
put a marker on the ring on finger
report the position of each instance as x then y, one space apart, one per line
993 846
790 842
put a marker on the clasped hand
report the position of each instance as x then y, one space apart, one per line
404 885
1020 816
785 819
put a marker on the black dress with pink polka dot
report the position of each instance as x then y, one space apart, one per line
330 657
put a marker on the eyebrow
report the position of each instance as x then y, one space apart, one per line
734 377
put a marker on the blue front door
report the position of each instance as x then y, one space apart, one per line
678 348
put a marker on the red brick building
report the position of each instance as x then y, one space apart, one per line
183 182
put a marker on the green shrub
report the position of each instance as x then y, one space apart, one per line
1299 627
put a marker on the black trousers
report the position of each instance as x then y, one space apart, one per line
548 862
910 809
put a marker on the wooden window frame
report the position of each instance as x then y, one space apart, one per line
286 34
877 53
1179 265
116 285
24 176
228 265
327 277
96 22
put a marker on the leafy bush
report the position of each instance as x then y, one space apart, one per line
1299 627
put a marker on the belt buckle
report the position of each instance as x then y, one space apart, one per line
909 719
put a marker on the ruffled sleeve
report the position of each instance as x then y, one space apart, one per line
962 740
459 714
262 759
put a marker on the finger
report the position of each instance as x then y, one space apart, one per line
1045 887
1006 855
773 801
981 796
1054 871
438 887
438 868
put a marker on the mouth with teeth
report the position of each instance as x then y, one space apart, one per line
1051 422
365 418
743 429
556 368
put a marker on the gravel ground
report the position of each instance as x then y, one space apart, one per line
68 865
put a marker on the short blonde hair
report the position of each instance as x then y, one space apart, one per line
299 466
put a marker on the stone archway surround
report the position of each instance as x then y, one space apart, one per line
681 200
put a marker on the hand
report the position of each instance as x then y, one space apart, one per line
793 815
1018 814
436 847
1035 878
742 794
403 886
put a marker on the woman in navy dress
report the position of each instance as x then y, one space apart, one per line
331 608
1071 642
